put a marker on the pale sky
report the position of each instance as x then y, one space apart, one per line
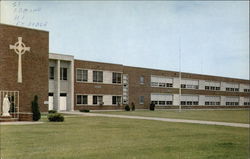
214 35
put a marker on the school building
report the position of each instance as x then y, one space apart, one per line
64 83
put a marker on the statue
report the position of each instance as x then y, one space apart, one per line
6 106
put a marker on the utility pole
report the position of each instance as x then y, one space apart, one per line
180 74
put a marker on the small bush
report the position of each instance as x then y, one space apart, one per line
55 117
84 110
52 111
152 106
127 108
133 106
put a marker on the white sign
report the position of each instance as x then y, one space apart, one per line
46 102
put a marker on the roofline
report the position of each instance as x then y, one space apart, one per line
23 27
187 73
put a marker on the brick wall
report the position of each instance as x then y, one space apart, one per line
34 65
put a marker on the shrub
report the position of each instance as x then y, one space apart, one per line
55 117
152 106
35 109
127 108
84 110
133 106
52 111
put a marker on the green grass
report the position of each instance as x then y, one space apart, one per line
115 138
236 116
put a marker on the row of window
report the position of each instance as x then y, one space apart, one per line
82 76
232 103
211 103
246 103
162 103
189 86
212 88
159 84
97 100
246 90
232 89
63 73
189 103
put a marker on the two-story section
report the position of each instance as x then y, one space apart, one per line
167 90
61 82
98 85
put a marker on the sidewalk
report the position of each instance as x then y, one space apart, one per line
21 123
242 125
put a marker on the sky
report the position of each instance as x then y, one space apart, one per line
211 37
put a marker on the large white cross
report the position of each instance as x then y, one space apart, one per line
20 48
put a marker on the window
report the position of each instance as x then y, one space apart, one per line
213 88
154 84
98 100
246 90
116 100
117 77
169 102
189 86
141 80
97 76
63 73
183 102
51 72
162 102
82 75
217 88
82 99
246 103
155 102
51 94
183 86
141 100
232 89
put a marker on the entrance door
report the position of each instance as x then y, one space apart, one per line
51 98
63 101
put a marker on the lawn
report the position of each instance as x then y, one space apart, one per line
236 116
116 138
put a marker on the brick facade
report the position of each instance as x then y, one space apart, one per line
34 66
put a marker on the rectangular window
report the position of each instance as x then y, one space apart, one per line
98 100
218 88
162 102
51 73
141 100
97 76
154 84
63 73
82 75
155 102
169 102
117 77
206 87
116 100
183 102
141 80
183 86
82 99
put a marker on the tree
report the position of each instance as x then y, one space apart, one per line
35 109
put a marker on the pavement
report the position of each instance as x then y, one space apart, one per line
21 123
241 125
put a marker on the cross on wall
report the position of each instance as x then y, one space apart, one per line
20 49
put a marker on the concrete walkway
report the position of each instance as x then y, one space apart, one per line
163 119
21 123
